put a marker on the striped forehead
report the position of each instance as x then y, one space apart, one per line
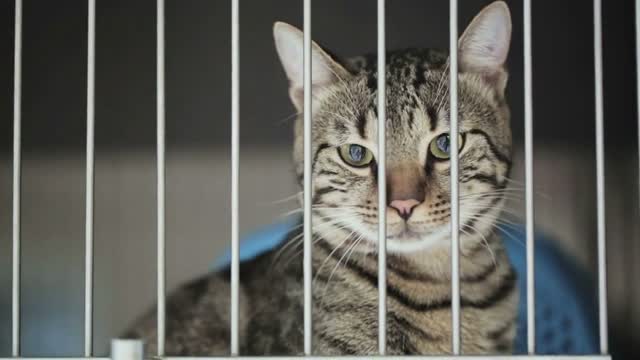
417 100
412 107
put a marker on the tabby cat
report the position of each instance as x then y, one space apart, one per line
345 213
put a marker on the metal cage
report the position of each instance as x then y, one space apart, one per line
133 350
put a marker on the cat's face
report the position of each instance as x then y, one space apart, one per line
345 137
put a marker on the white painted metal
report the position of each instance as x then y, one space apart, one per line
600 185
455 216
416 357
160 123
126 350
636 297
419 357
308 173
133 349
235 176
528 159
382 182
88 242
17 148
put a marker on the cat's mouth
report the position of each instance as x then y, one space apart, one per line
406 239
416 235
411 230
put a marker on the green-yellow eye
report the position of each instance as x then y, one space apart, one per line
355 155
439 146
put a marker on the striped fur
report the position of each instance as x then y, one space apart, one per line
345 215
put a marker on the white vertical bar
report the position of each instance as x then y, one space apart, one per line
17 126
600 185
160 123
528 159
235 176
88 268
308 296
455 217
637 317
382 181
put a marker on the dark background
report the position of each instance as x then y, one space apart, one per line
198 112
198 67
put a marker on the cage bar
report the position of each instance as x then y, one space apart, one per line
600 185
351 357
160 124
412 357
307 240
455 216
89 193
637 318
528 171
382 182
235 176
17 148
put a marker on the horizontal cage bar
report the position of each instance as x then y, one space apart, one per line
419 357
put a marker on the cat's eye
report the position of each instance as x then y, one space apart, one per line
440 146
355 155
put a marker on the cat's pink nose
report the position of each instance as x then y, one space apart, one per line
404 207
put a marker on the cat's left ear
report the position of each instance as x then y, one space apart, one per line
484 45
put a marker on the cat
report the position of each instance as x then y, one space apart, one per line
345 294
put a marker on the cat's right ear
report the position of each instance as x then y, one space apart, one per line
325 70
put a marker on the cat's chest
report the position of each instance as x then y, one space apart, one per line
356 331
418 319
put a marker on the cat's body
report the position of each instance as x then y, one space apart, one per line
345 292
345 307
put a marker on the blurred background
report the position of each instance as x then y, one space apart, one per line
198 132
